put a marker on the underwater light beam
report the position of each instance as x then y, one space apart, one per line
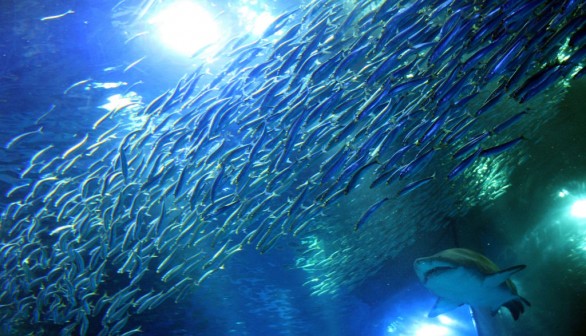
579 208
255 22
432 329
116 101
186 27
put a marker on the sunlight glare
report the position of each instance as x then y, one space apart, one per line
186 27
579 208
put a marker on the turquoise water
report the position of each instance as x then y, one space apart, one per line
278 170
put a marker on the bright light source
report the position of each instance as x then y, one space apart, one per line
446 320
186 27
255 23
116 101
108 85
579 208
262 22
432 330
563 193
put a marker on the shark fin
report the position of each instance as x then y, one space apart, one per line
486 323
516 306
442 306
495 279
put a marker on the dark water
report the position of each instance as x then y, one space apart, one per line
216 190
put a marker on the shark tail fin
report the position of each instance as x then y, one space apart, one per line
499 277
516 306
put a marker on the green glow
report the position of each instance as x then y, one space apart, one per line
579 209
489 179
564 52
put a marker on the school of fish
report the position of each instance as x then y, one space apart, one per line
388 99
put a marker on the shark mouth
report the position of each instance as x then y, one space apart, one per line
435 271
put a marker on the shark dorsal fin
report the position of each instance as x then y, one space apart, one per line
495 279
443 306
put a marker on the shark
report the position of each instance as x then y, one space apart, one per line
459 276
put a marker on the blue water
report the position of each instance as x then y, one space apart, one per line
236 137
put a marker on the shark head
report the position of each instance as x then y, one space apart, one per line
461 276
431 267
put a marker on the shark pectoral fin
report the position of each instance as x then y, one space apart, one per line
442 306
486 323
516 306
498 278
